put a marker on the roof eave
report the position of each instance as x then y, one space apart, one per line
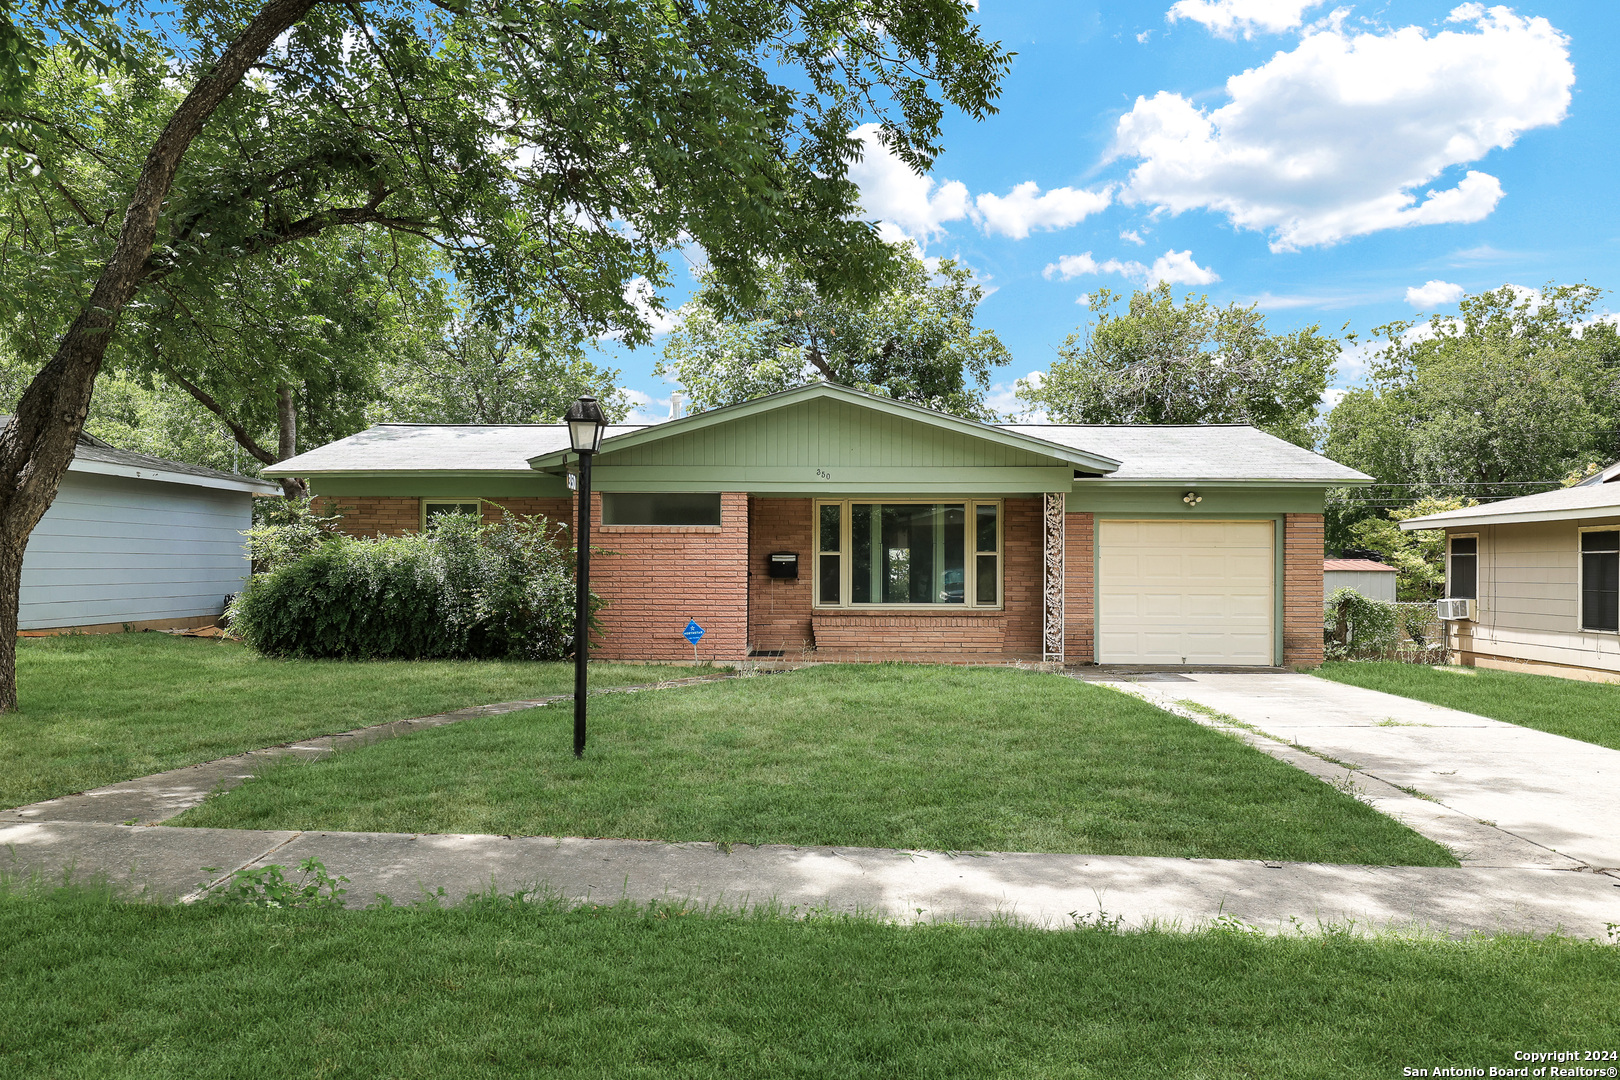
1574 513
165 476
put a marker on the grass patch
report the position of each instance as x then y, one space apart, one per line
97 709
944 758
91 988
1586 711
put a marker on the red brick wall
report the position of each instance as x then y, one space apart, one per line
658 577
1079 589
779 608
900 635
373 515
1302 589
1022 577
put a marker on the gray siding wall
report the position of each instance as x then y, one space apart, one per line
1528 606
115 549
1373 584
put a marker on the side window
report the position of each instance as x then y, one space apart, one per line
660 508
1600 580
1462 575
438 508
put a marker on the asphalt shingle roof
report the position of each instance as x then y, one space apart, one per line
1147 452
1195 452
1568 502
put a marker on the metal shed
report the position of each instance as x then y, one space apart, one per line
1371 579
135 541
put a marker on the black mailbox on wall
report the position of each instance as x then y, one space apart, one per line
783 564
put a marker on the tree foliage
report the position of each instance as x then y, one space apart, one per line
1419 557
1163 362
915 341
1506 398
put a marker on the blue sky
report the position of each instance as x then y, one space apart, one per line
1336 164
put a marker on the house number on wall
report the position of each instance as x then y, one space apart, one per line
824 474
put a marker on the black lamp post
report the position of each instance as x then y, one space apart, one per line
585 426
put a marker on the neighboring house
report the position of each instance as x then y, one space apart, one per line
829 519
1542 575
1371 579
136 541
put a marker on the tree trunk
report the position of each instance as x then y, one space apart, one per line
287 438
38 443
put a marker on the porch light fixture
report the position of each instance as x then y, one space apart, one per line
1192 498
586 423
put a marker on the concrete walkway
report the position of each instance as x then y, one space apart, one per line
1509 882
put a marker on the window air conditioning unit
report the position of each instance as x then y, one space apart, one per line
1459 609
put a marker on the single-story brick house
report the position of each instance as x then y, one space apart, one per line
1542 577
858 527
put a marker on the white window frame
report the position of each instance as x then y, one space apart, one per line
437 501
970 559
1580 579
1479 563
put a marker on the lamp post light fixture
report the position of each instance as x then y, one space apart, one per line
586 423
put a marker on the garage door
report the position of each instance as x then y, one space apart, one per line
1185 592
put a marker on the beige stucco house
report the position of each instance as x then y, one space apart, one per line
1542 577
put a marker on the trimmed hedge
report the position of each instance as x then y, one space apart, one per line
461 590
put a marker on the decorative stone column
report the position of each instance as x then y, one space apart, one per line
1052 519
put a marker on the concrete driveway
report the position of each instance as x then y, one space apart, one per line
1557 793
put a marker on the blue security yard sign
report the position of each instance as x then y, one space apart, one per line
693 632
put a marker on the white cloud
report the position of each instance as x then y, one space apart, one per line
1025 208
1227 18
1176 267
1433 294
908 205
1142 38
1003 398
646 409
1133 237
1331 397
1337 137
640 293
917 206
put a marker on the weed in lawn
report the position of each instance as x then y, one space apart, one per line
268 887
1390 721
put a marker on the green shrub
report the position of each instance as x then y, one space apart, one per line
461 590
1359 628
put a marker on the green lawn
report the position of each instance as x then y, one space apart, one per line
97 989
943 758
97 709
1577 710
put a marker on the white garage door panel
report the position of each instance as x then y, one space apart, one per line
1185 592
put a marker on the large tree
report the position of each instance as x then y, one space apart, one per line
548 147
1503 399
914 341
1160 361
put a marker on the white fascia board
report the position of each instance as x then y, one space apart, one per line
1445 521
106 468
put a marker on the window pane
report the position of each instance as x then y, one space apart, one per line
829 527
1600 541
1464 576
829 580
1600 591
986 586
1465 545
907 553
660 508
985 527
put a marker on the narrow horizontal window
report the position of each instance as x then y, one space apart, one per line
433 509
660 508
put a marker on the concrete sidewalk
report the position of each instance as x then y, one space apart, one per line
1508 883
1527 790
1043 890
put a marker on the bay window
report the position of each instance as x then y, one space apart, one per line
908 553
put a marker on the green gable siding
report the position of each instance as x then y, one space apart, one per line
826 434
